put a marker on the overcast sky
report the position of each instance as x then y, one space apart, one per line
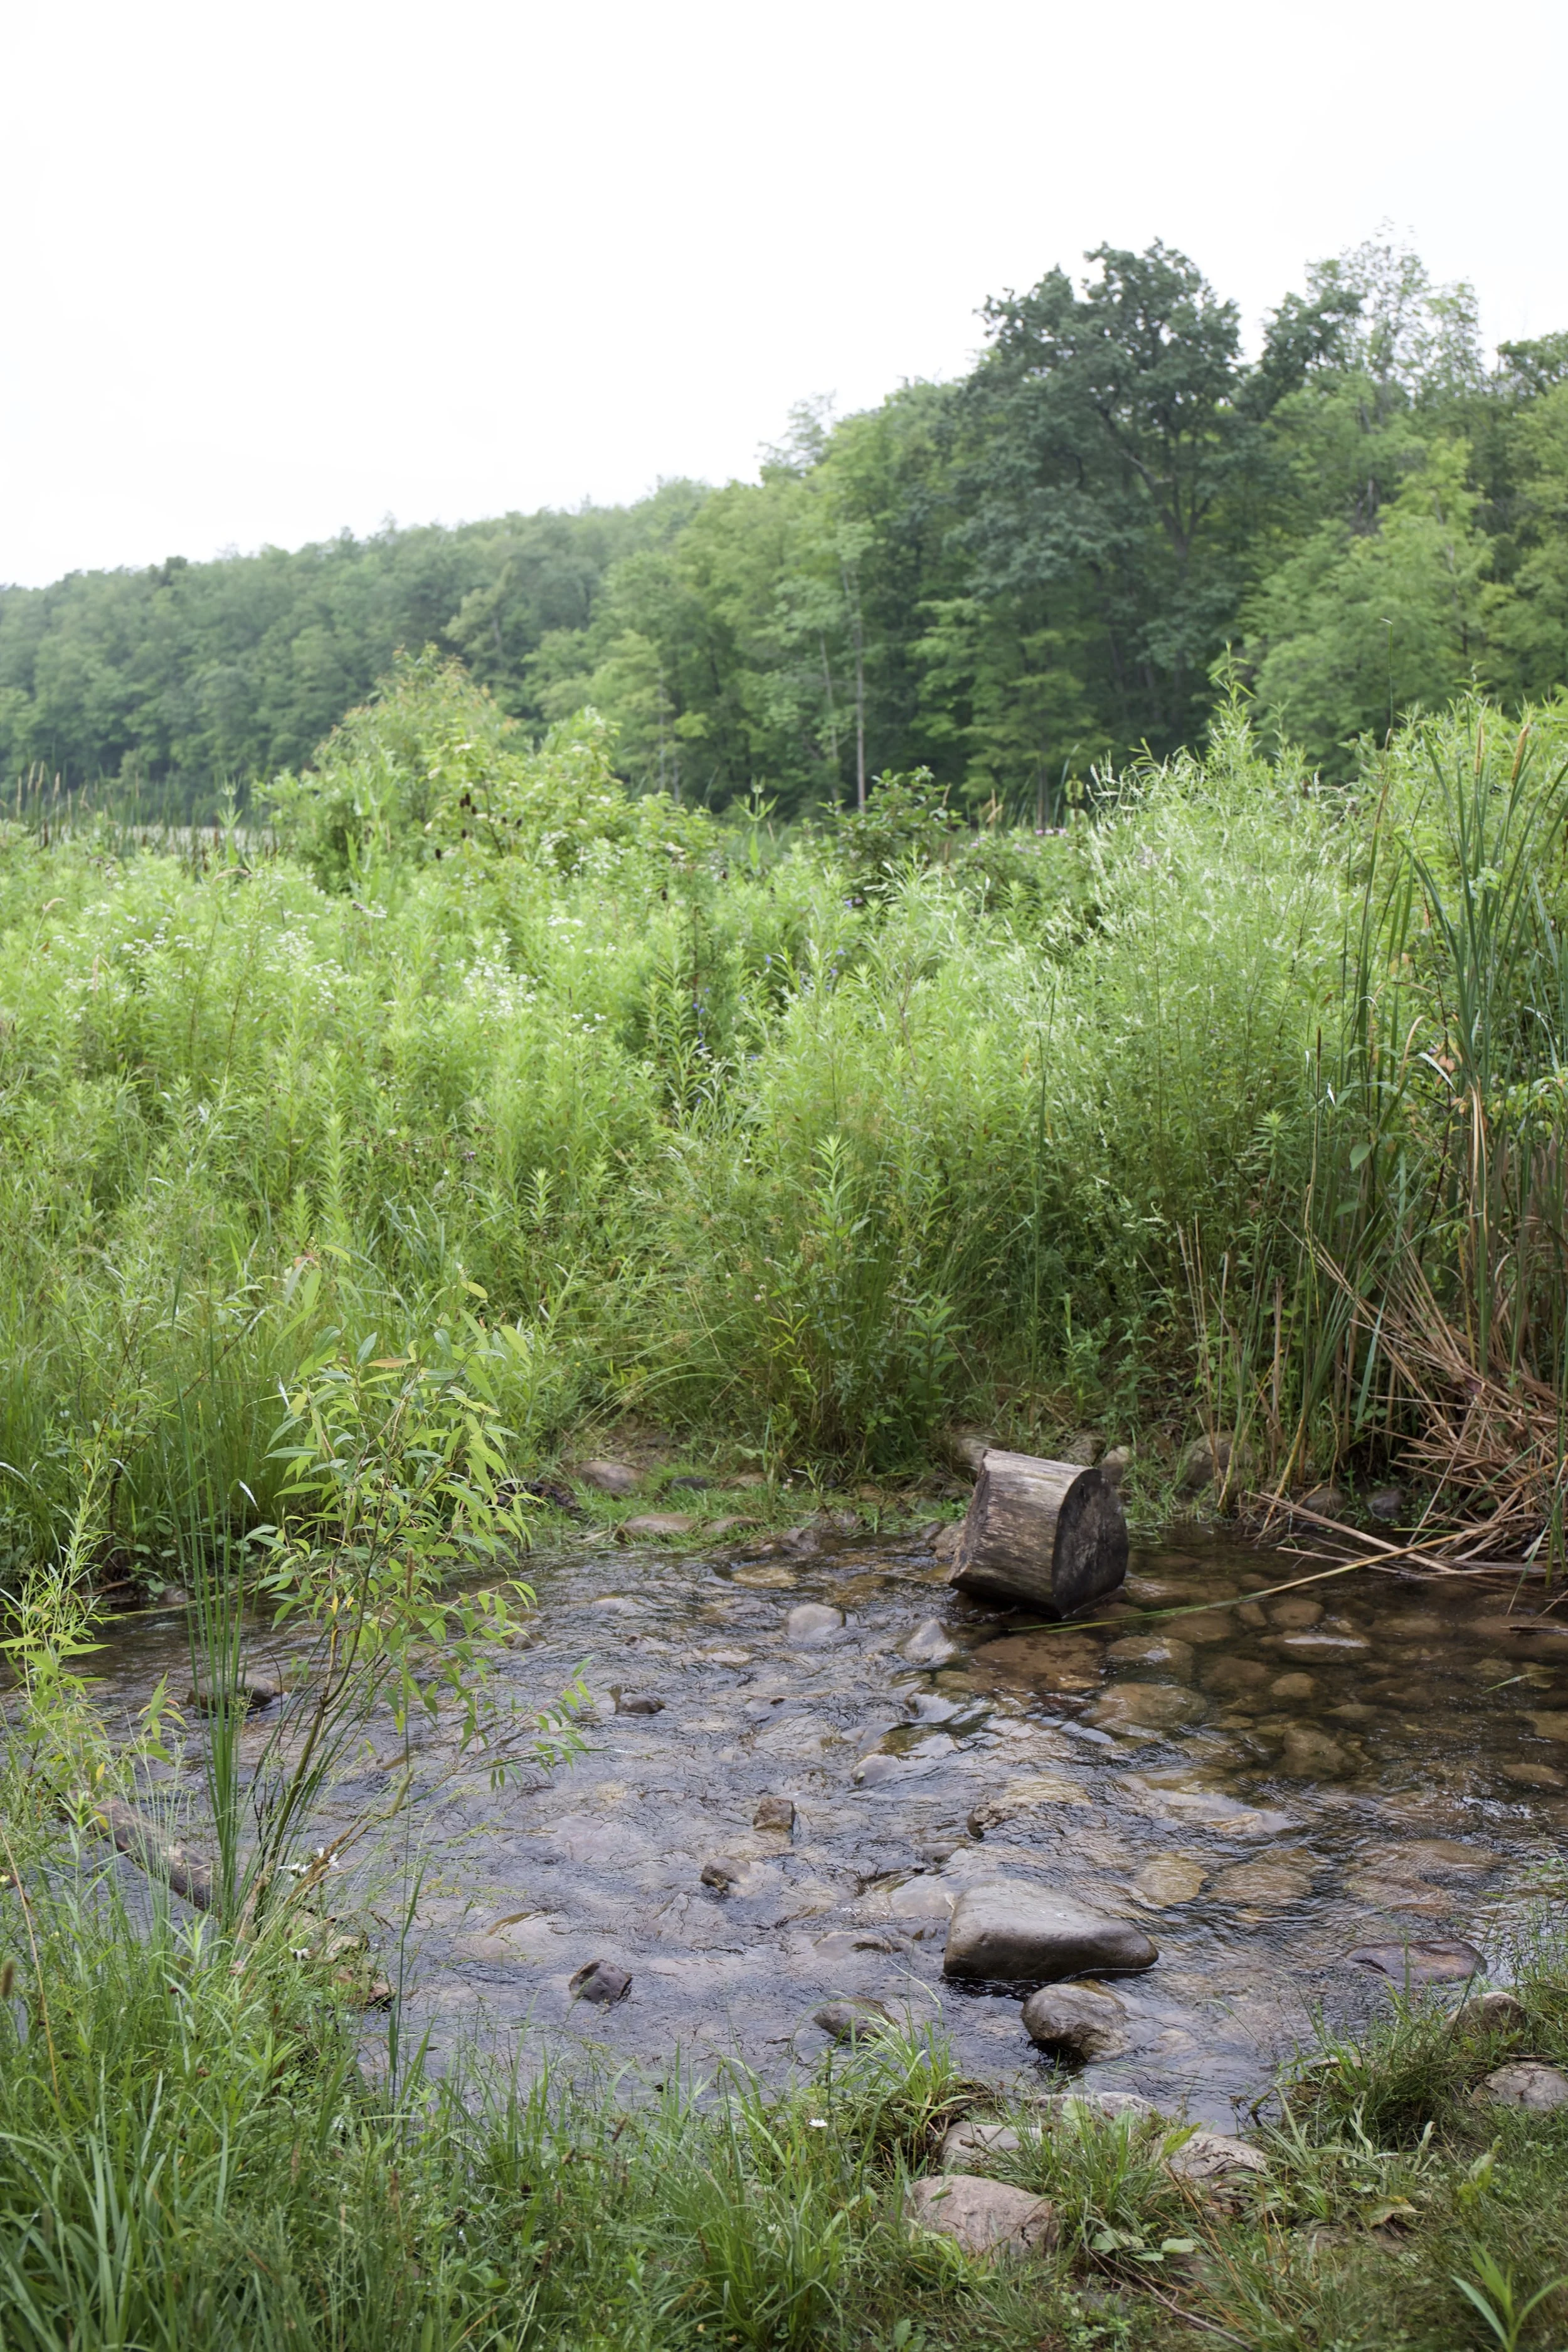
275 272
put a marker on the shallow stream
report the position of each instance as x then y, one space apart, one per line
1264 1785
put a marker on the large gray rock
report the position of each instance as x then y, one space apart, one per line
1212 2157
983 2217
1019 1934
1073 2017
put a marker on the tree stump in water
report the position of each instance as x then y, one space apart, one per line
1050 1534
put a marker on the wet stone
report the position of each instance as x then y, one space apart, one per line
929 1644
1228 1678
1309 1754
1292 1687
1265 1881
600 1983
1072 2017
1143 1707
1294 1614
1015 1933
813 1621
1169 1879
1151 1650
845 2020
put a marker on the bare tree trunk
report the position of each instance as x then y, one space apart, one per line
1049 1534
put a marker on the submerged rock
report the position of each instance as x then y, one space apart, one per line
1167 1879
929 1644
1144 1706
1017 1933
1073 2017
986 2218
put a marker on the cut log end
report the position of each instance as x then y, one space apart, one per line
1051 1535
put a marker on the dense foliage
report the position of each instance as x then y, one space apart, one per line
1009 579
1237 1096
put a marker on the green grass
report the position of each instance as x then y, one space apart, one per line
200 2147
795 1149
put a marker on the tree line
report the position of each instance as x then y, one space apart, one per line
1055 562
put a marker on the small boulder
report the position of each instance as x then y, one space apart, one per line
609 1477
1386 1503
1445 1960
1527 2085
601 1983
775 1813
1073 2017
813 1622
984 2219
1491 2013
634 1702
1209 2156
253 1688
650 1525
971 2143
929 1644
1209 1462
1017 1934
845 2020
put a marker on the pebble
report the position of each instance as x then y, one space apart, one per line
775 1813
813 1622
1208 1625
1526 2084
609 1477
1073 2017
724 1873
986 2218
1017 1933
1264 1880
929 1644
1446 1961
601 1983
1031 1793
844 2019
1228 1676
1294 1614
651 1525
1292 1687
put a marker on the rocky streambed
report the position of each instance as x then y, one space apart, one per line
797 1770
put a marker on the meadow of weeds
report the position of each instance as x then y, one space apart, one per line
1195 1111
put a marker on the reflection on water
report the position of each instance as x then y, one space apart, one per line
1264 1786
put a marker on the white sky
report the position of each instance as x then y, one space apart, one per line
270 272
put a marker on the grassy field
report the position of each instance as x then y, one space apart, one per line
1239 1100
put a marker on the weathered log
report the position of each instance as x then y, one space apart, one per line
1049 1534
139 1841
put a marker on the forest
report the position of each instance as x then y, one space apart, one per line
1055 564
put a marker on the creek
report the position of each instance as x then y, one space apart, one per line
1265 1785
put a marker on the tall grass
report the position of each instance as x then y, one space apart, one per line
1148 1122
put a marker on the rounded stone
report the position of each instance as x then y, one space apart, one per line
601 1983
929 1644
654 1526
609 1477
1294 1614
1072 2017
813 1622
1019 1934
1292 1687
984 2219
846 2020
1444 1960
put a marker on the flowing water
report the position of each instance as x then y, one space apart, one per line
1264 1785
